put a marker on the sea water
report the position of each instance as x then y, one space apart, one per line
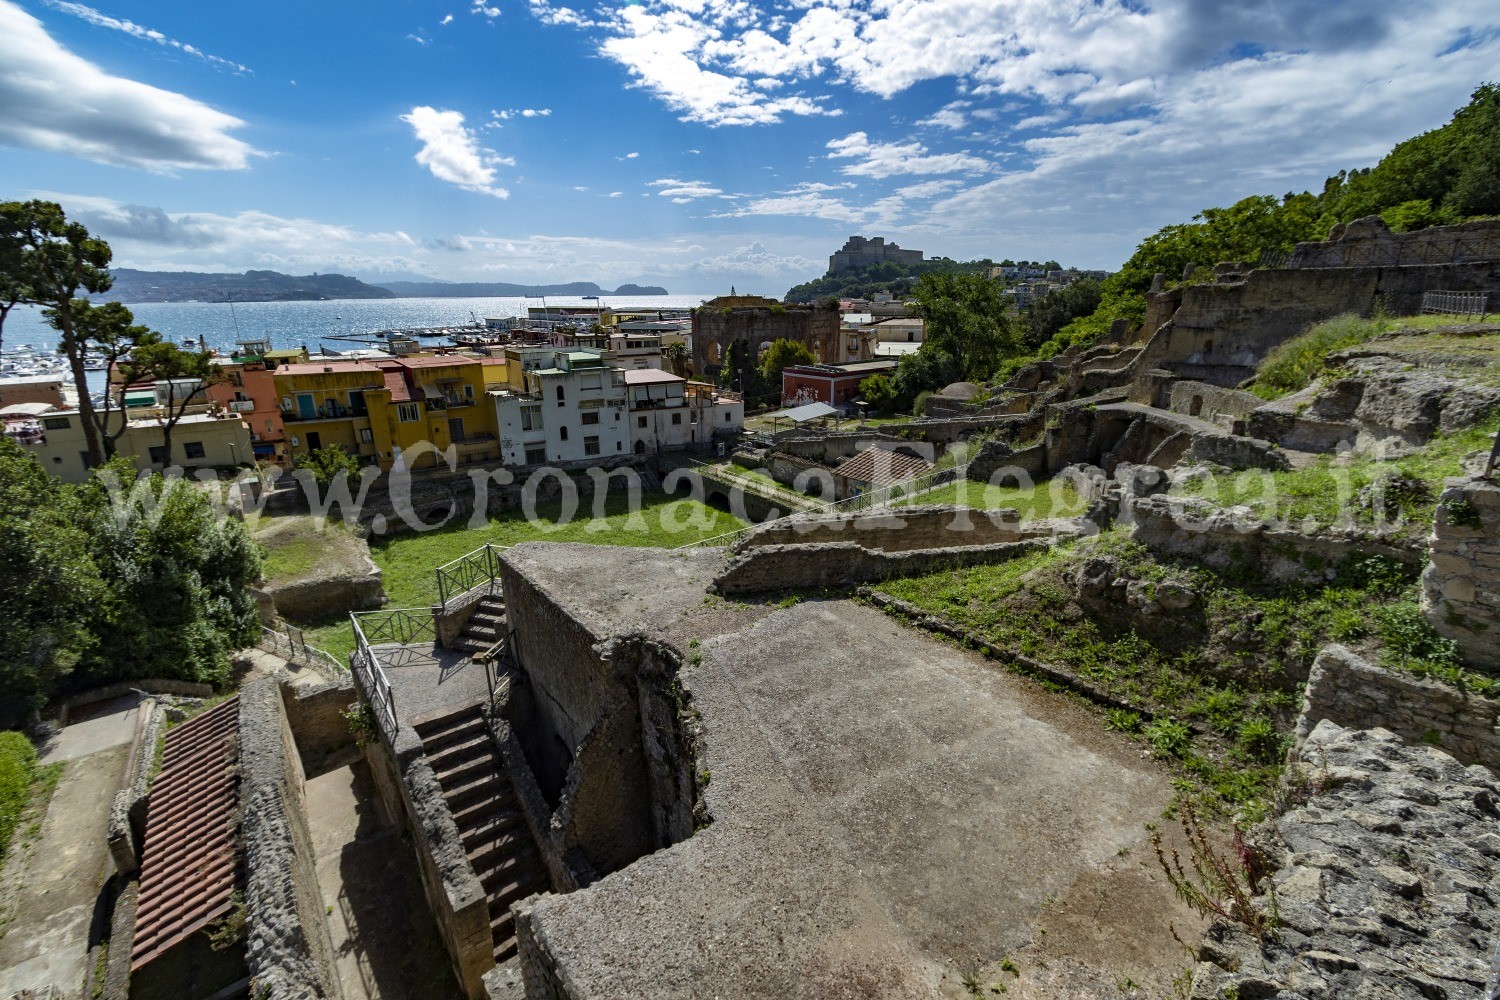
312 324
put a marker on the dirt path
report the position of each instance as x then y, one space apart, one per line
56 884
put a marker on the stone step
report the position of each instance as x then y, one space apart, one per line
464 770
453 751
481 630
501 825
475 816
496 618
484 787
488 847
451 717
439 741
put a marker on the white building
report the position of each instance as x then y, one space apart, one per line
571 410
669 413
636 350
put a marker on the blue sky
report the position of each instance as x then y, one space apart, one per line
697 144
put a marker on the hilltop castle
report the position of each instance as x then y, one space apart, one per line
860 252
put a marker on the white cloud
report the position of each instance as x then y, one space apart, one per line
480 7
580 187
56 102
101 20
509 113
631 156
447 19
887 159
452 153
616 194
682 192
951 116
805 200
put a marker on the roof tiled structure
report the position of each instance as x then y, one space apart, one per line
879 466
190 857
395 380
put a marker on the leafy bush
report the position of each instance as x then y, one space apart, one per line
328 463
1407 635
1169 737
17 769
1292 365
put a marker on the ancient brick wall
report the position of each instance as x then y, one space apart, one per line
289 948
847 564
1359 695
315 715
1369 242
920 527
715 328
1461 584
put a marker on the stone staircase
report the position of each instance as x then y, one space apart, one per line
484 807
484 628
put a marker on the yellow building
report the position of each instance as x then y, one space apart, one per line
382 410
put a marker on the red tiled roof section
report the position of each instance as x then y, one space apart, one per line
395 380
190 857
879 466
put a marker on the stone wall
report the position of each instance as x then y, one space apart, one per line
995 456
1345 689
289 948
315 715
589 722
1461 584
1226 407
920 527
715 328
328 596
109 692
1222 331
454 893
1370 241
830 449
801 473
1385 880
848 564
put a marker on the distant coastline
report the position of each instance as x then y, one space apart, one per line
132 286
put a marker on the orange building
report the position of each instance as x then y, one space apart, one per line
251 392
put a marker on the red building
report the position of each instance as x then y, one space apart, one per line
836 385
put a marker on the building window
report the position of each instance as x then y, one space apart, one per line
468 392
642 364
193 449
676 418
562 432
640 422
592 417
408 413
726 417
158 454
531 418
589 382
536 456
591 445
366 436
561 398
55 423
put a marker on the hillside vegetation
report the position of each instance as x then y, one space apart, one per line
898 279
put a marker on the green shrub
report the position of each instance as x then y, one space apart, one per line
1291 366
17 769
1169 737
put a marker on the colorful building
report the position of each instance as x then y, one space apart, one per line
250 391
379 410
836 385
670 413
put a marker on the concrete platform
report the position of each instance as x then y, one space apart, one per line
385 940
888 810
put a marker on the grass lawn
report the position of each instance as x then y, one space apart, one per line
1227 664
1328 492
1054 498
408 560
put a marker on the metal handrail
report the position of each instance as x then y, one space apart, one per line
297 650
377 685
400 625
462 575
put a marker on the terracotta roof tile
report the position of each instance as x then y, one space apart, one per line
879 466
190 857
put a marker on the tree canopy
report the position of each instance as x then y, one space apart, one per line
114 579
783 354
967 317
